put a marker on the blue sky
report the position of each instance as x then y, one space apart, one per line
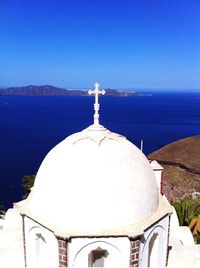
120 44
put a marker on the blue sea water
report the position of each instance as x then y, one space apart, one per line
31 126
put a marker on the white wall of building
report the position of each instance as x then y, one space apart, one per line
153 248
12 220
11 240
41 246
118 251
158 171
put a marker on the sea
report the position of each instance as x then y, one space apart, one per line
31 126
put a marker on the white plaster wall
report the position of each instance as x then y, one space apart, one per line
118 249
184 257
11 240
182 234
13 219
158 175
49 250
159 252
2 223
174 223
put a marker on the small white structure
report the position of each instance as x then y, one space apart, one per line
95 202
158 171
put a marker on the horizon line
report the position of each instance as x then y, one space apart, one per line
116 88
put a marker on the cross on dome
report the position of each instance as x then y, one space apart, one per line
96 92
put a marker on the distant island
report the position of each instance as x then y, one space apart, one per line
48 90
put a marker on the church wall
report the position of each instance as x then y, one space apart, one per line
158 172
40 245
2 221
158 175
117 251
12 220
154 244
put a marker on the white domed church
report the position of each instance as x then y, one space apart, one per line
96 202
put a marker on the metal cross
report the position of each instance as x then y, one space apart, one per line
96 92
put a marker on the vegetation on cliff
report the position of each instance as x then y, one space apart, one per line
27 184
188 212
2 211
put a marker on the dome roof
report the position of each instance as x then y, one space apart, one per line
93 180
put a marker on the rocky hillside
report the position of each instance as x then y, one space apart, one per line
181 162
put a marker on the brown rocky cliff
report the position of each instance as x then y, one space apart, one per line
181 162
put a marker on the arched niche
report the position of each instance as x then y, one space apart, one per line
41 248
154 248
98 254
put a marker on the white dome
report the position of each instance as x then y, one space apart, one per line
94 180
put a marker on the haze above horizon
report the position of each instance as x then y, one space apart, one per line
121 44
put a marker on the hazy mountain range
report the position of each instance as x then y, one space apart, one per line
48 90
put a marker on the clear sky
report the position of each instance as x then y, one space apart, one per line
119 43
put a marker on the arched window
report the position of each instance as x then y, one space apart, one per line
97 257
